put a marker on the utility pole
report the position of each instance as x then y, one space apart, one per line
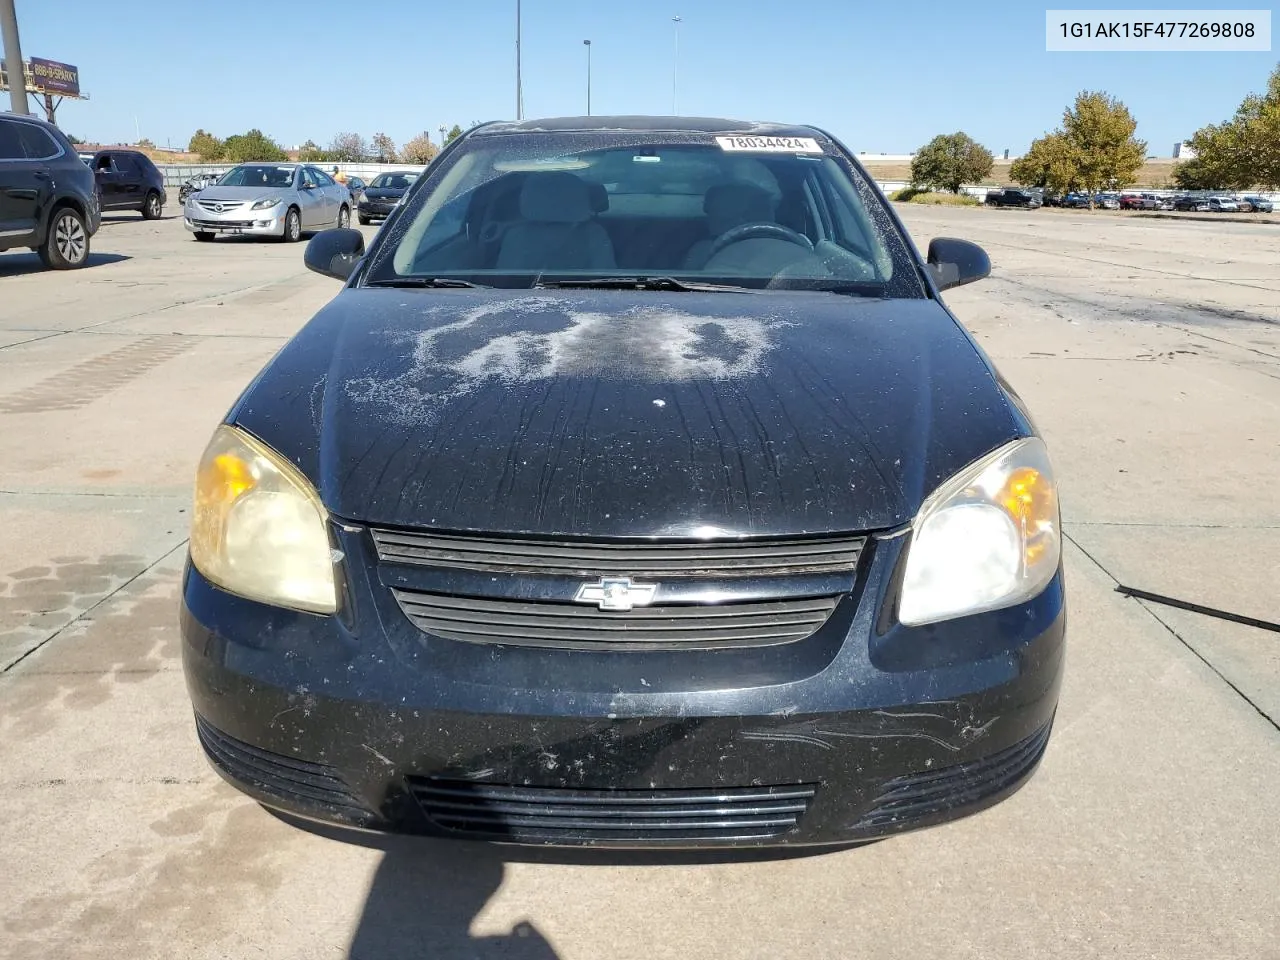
675 71
588 45
13 58
519 88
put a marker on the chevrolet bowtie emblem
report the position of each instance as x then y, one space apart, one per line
616 593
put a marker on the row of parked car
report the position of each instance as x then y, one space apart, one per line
1198 202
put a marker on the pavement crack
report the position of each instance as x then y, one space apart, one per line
1177 636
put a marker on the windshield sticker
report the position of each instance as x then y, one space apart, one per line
770 144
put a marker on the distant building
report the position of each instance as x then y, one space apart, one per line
1183 151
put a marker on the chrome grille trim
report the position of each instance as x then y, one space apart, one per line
571 626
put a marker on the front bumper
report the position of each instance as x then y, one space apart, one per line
861 731
263 223
376 209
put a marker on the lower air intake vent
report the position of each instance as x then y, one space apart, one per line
549 814
919 796
300 782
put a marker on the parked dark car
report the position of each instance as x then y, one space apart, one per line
638 488
1010 197
382 195
128 180
1189 202
357 188
1075 201
48 200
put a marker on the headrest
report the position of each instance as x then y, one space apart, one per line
730 205
555 197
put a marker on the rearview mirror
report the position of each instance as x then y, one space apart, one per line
954 263
334 253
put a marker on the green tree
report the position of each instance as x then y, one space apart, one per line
418 150
75 141
1099 132
206 146
950 160
312 152
253 145
1050 163
453 134
384 147
1242 152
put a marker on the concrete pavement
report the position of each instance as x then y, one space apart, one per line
1149 352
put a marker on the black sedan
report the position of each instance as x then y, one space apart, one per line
638 489
382 195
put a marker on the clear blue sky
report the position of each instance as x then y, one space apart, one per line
884 77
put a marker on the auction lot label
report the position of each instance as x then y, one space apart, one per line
1157 30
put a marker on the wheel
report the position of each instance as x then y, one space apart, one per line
67 244
292 226
344 217
203 236
364 221
152 206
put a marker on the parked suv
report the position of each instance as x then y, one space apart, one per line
128 180
48 201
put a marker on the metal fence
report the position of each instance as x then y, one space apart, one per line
176 173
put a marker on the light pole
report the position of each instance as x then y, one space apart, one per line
587 43
13 58
519 88
675 70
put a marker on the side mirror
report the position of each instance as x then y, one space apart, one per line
334 253
954 263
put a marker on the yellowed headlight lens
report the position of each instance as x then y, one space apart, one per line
259 528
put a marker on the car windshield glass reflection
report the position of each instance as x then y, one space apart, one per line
393 181
258 175
520 210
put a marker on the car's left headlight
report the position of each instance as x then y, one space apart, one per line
259 529
989 537
266 203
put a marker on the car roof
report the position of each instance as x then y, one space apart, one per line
646 124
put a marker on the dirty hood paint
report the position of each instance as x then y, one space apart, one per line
625 414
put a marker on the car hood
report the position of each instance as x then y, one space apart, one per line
236 194
616 414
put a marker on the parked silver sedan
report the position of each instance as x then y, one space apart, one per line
281 200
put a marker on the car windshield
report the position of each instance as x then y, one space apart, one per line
524 209
258 175
394 181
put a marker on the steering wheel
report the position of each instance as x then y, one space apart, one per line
761 230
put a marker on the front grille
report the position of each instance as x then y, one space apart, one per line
220 206
573 626
662 559
919 796
550 814
303 782
222 224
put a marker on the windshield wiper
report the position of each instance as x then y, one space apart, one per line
641 283
438 282
872 289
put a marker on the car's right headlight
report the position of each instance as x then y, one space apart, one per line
266 203
259 529
989 537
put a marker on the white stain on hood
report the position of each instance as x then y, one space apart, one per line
539 338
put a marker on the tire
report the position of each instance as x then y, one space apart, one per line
66 247
292 226
364 221
203 236
344 217
152 206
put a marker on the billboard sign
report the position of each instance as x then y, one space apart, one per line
53 77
